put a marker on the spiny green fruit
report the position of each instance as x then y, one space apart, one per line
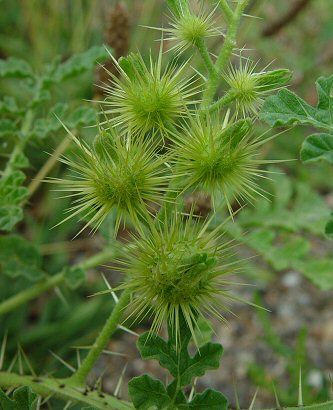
249 88
117 172
145 97
178 268
189 28
218 158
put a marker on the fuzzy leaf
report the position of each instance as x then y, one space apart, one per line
318 147
13 67
294 248
293 208
81 116
23 399
12 194
147 392
287 108
7 128
8 105
19 257
20 161
74 277
329 227
80 63
209 400
44 126
320 272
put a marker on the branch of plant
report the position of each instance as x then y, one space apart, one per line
203 50
51 282
64 389
225 53
102 339
222 102
227 10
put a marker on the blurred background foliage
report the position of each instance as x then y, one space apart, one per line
287 232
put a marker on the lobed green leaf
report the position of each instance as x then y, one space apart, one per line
287 108
146 392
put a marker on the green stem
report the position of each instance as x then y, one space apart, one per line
65 390
227 10
203 50
222 102
51 282
102 339
225 53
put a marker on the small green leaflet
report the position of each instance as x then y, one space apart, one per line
146 392
74 277
210 400
79 63
12 194
23 399
19 257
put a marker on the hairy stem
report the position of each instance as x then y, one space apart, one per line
222 102
65 390
227 10
102 339
203 50
51 282
225 53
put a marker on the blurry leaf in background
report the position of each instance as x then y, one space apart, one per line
293 248
74 277
329 227
320 272
318 147
294 207
79 63
12 194
19 257
12 67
